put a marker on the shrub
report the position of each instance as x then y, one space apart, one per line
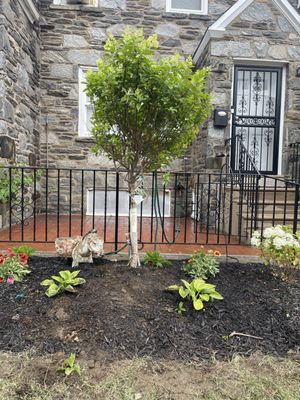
280 249
13 267
198 291
202 265
155 259
65 283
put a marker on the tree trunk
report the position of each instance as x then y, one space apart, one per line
134 260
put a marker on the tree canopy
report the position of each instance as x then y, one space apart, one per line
147 111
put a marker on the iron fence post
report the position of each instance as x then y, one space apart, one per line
296 209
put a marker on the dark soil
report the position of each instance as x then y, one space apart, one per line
126 313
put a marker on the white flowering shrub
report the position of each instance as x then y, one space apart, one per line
280 249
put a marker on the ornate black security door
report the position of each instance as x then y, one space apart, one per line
256 117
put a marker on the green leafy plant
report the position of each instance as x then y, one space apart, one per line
280 249
65 282
147 109
155 259
13 267
29 251
70 366
198 291
202 265
11 182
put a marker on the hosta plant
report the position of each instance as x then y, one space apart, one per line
280 249
198 291
202 265
13 267
155 259
69 366
65 282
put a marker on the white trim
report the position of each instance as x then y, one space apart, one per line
260 62
281 126
218 28
83 132
30 10
203 11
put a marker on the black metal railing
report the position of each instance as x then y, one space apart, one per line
294 162
41 204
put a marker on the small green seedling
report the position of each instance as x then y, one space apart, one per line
155 259
65 283
181 309
198 291
69 366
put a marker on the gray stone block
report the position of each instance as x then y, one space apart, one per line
231 48
168 30
74 41
284 24
61 71
113 4
97 34
257 12
278 52
83 57
294 52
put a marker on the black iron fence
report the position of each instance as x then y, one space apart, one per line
41 204
294 161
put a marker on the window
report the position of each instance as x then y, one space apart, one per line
188 6
123 203
85 107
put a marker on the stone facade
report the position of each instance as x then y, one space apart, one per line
261 32
73 36
19 83
39 64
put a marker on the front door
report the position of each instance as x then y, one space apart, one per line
256 116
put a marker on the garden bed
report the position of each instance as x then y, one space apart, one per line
125 313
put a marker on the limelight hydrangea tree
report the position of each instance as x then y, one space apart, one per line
280 248
146 111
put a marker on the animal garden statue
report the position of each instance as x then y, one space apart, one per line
80 248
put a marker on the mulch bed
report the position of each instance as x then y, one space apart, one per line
127 313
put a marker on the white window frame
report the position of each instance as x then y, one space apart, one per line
204 10
82 103
89 202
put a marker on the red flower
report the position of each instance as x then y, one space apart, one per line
23 258
2 258
1 280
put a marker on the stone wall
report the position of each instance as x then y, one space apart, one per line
73 36
19 82
260 32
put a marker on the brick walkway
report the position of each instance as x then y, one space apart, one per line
47 229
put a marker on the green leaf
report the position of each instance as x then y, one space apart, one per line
66 275
52 290
198 304
204 297
57 278
183 292
47 282
173 287
216 295
78 281
75 273
69 288
71 359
